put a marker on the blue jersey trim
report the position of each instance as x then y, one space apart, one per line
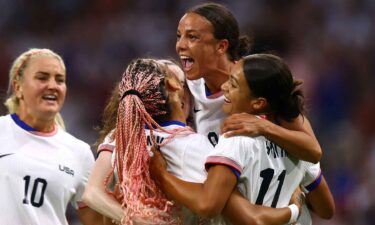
236 172
208 92
21 124
168 123
314 184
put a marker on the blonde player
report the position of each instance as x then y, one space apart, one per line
266 174
44 168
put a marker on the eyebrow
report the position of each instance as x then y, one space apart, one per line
233 78
46 73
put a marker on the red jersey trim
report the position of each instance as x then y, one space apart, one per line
221 160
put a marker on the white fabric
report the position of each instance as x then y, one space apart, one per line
206 111
185 154
294 211
259 160
60 163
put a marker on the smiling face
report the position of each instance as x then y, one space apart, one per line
237 94
196 45
41 90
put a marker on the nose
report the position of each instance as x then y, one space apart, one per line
52 84
224 86
180 44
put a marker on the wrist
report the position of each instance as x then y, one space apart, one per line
294 213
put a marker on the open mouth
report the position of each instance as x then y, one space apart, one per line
49 97
226 100
187 62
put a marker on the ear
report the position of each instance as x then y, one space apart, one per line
17 89
172 85
259 104
223 46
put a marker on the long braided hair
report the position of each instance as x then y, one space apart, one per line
142 102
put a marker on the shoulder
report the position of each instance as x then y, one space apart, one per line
5 119
6 124
72 142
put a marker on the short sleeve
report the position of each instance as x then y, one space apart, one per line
312 177
108 144
88 161
233 152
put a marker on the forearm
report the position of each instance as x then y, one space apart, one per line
207 199
321 201
88 216
301 144
240 211
103 203
95 195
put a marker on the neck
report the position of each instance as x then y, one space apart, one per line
177 113
218 75
41 124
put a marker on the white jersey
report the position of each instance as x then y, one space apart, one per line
185 156
267 174
207 111
40 174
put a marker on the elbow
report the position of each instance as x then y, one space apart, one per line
208 209
318 156
328 214
88 196
315 156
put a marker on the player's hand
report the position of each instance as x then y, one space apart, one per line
298 198
244 124
157 165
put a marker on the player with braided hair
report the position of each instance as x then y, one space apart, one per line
261 84
152 94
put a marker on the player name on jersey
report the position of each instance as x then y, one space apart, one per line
274 150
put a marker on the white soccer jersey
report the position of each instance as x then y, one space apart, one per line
40 174
207 110
267 174
185 154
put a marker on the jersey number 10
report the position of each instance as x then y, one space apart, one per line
40 185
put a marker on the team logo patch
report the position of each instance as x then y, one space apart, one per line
67 170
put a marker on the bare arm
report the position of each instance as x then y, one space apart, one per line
207 199
89 217
296 137
95 195
321 201
240 211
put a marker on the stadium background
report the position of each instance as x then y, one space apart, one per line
327 43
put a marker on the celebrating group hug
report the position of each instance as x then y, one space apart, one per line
219 136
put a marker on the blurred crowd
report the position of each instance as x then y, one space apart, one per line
329 44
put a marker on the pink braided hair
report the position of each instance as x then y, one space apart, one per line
139 195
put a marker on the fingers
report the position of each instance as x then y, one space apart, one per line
232 133
155 149
231 127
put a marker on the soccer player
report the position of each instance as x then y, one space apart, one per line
43 168
151 91
265 173
209 45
